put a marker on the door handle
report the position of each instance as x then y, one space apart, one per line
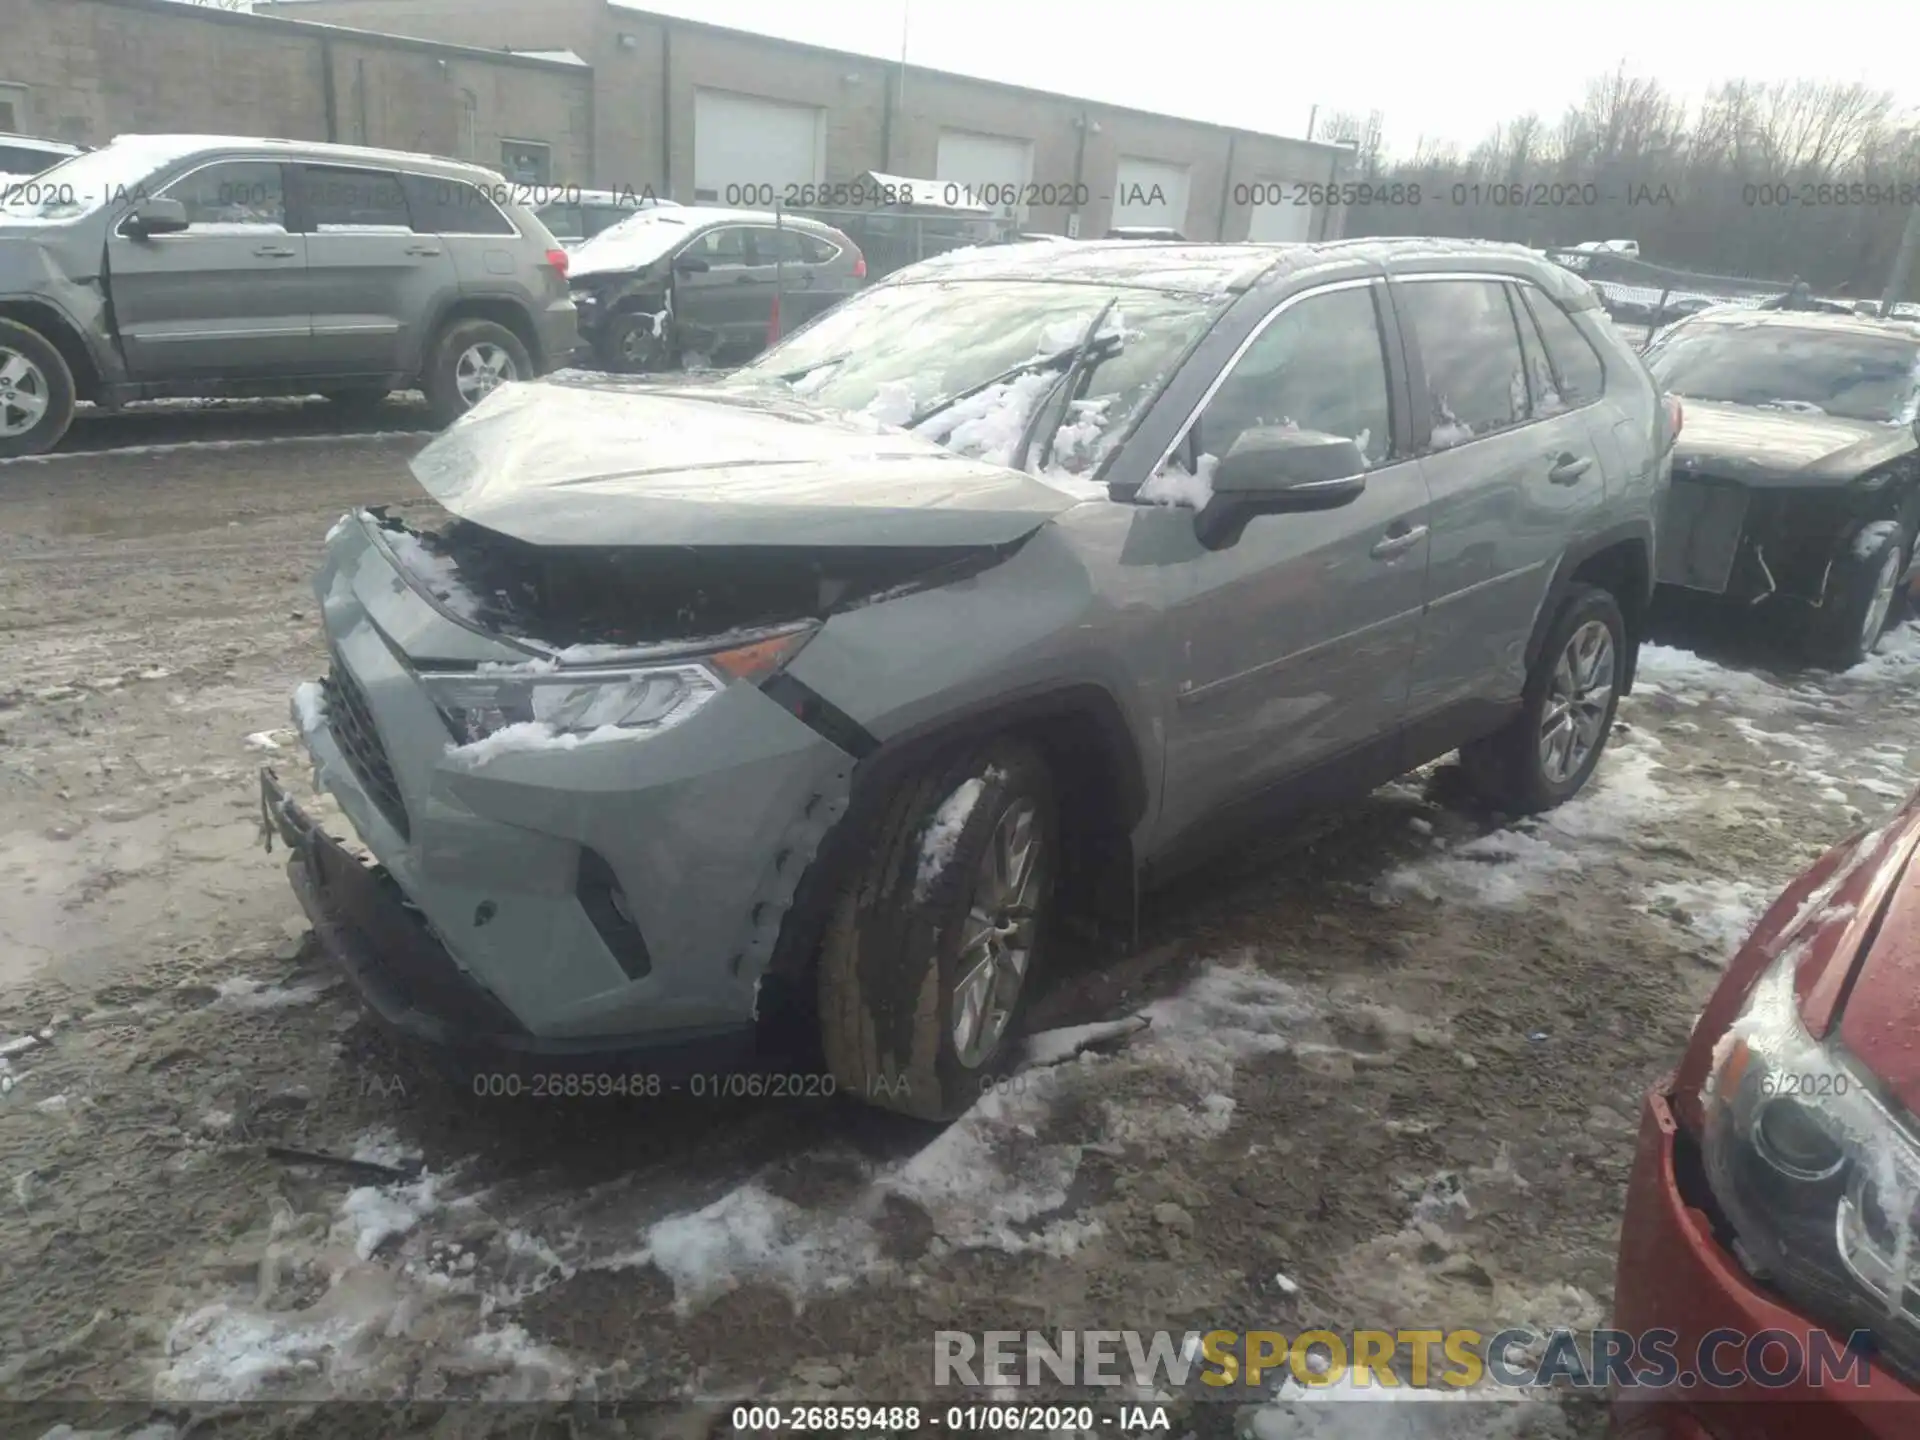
1398 542
275 252
423 250
1569 468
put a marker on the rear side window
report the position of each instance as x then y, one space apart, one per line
341 199
782 245
816 250
443 206
1476 376
1577 367
22 160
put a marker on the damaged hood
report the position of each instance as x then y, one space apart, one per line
567 464
1782 447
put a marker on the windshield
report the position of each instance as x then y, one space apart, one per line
111 175
635 243
1790 368
970 359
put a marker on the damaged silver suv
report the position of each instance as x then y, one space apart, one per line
801 705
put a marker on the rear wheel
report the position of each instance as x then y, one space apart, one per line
1862 598
36 392
933 946
470 360
1546 754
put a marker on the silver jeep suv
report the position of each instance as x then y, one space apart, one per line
165 265
799 706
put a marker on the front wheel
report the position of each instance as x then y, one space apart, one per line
1546 754
635 342
470 360
1861 597
934 943
36 392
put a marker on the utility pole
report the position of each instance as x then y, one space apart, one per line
1902 264
906 19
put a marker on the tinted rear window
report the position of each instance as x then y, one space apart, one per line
1577 367
453 207
1471 350
22 160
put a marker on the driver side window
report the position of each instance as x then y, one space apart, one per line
1318 366
725 246
233 197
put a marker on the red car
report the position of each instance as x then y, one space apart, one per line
1770 1254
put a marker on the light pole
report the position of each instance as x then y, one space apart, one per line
906 20
1902 264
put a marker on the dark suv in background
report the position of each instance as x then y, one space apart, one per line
167 265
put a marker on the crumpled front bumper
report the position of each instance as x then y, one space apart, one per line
510 867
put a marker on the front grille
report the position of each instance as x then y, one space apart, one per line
351 721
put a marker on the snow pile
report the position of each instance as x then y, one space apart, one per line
1721 912
943 834
1507 866
243 992
988 426
434 570
309 707
1172 485
527 736
371 1215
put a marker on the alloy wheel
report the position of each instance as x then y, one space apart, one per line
1885 584
1001 922
24 394
480 370
1577 702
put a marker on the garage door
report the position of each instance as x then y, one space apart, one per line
1150 193
996 168
1275 218
747 151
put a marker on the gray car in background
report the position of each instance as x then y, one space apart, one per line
675 282
164 265
790 712
575 216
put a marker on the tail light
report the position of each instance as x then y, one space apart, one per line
859 266
1676 416
558 260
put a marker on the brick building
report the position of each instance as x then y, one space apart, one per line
586 92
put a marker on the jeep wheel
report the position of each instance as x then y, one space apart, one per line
467 363
36 392
1544 756
1861 598
935 940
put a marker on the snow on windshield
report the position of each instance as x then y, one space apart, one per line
113 175
633 244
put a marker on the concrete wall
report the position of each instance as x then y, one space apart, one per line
97 68
647 67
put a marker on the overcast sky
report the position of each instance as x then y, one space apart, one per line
1452 70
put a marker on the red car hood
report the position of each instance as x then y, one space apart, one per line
1880 1016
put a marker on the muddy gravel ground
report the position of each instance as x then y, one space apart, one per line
1390 1075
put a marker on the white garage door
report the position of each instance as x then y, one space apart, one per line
995 167
747 151
1279 220
1150 193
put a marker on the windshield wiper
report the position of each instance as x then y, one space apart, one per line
1081 362
1068 357
789 376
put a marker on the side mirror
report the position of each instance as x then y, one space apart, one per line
155 217
1273 470
690 265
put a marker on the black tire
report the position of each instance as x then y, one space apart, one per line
629 346
442 381
358 398
1844 631
1507 767
49 374
891 957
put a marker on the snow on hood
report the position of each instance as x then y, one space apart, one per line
711 465
633 244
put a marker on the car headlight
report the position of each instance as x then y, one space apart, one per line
1816 1174
642 699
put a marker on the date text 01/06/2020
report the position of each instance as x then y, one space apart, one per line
955 1419
720 1085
